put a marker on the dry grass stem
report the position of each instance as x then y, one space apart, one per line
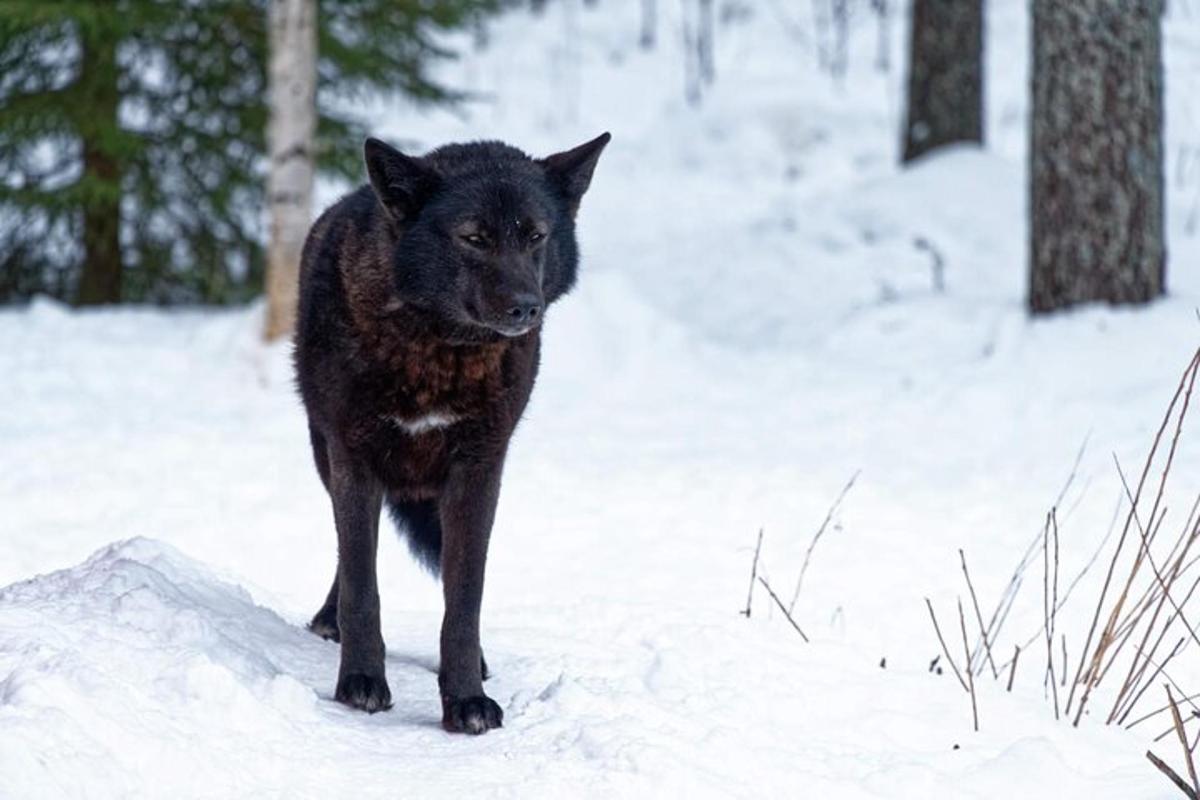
1012 669
987 647
782 607
1183 742
945 650
962 623
1172 775
753 574
1091 659
1048 624
817 536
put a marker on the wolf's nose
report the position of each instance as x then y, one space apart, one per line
525 308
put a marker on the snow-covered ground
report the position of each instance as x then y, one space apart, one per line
755 323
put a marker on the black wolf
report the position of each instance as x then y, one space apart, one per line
421 301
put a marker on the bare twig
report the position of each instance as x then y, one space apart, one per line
753 575
1009 596
1049 620
1187 754
1159 710
1138 669
962 622
782 607
1012 670
817 536
1165 587
1064 661
1054 582
1092 658
945 649
1172 775
1079 576
1149 681
987 647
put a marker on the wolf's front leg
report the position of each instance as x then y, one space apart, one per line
467 507
357 499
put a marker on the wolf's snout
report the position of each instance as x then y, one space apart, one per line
524 309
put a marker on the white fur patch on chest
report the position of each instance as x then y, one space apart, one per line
434 420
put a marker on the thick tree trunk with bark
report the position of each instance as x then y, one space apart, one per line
100 279
945 75
290 144
1096 153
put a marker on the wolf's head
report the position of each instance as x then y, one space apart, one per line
484 235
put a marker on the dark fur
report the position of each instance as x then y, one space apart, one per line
423 294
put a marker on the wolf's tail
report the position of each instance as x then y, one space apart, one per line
418 522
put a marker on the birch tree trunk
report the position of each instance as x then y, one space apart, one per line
290 145
1096 153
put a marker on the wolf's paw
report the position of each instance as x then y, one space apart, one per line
370 693
324 624
472 715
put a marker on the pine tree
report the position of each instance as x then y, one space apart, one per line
1096 153
132 135
945 75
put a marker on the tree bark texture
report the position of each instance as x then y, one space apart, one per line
291 132
100 279
945 75
1096 153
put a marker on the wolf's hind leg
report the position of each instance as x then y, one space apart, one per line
324 622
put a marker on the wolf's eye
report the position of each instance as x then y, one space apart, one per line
536 237
475 240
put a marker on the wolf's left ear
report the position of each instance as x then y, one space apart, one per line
572 169
402 183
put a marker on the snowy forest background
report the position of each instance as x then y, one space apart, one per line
860 465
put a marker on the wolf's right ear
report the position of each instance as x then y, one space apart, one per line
572 169
402 183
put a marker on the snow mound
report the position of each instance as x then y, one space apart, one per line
100 663
142 672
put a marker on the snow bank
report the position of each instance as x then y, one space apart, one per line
140 672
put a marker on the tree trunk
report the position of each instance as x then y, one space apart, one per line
1096 153
100 279
945 75
290 133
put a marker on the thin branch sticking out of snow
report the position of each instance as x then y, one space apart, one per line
753 574
987 647
1183 742
782 607
962 623
946 650
816 537
1172 775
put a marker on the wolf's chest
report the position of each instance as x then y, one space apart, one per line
419 389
